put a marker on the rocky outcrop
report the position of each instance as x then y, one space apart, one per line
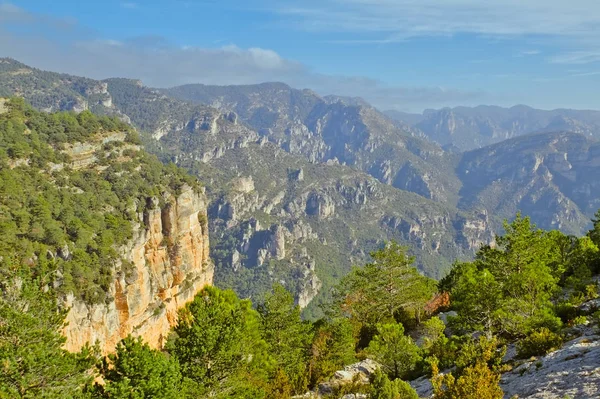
475 231
166 264
355 373
572 371
84 154
311 284
410 179
319 205
3 108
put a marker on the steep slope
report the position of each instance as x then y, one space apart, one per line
343 130
553 177
467 128
122 238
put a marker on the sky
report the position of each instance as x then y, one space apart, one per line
407 55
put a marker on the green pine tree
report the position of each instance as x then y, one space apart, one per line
382 289
218 346
594 233
135 371
287 335
33 363
397 353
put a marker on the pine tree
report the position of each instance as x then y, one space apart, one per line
287 336
218 345
594 233
33 363
397 353
507 289
380 290
332 349
137 371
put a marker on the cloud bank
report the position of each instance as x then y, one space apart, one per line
159 64
410 18
573 26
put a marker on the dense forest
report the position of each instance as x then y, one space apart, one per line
524 290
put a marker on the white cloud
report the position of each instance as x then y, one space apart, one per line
577 57
530 52
11 13
579 74
130 5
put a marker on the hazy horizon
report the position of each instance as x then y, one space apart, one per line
401 55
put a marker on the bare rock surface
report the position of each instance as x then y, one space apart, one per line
572 371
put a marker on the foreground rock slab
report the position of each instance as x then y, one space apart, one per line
572 371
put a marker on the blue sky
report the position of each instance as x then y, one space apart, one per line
401 54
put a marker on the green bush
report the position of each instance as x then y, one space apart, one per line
566 311
472 350
579 320
383 388
474 382
539 343
445 350
396 352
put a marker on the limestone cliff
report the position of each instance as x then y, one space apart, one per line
167 263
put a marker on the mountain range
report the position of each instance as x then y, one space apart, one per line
300 186
469 128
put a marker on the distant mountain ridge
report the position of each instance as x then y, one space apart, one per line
468 128
334 129
552 177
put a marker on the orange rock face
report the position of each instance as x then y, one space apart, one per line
170 262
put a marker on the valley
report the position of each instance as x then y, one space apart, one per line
302 187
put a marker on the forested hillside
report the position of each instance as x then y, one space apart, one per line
67 210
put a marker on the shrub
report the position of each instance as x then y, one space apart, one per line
474 382
539 343
485 348
566 311
433 330
579 320
383 388
591 291
445 350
